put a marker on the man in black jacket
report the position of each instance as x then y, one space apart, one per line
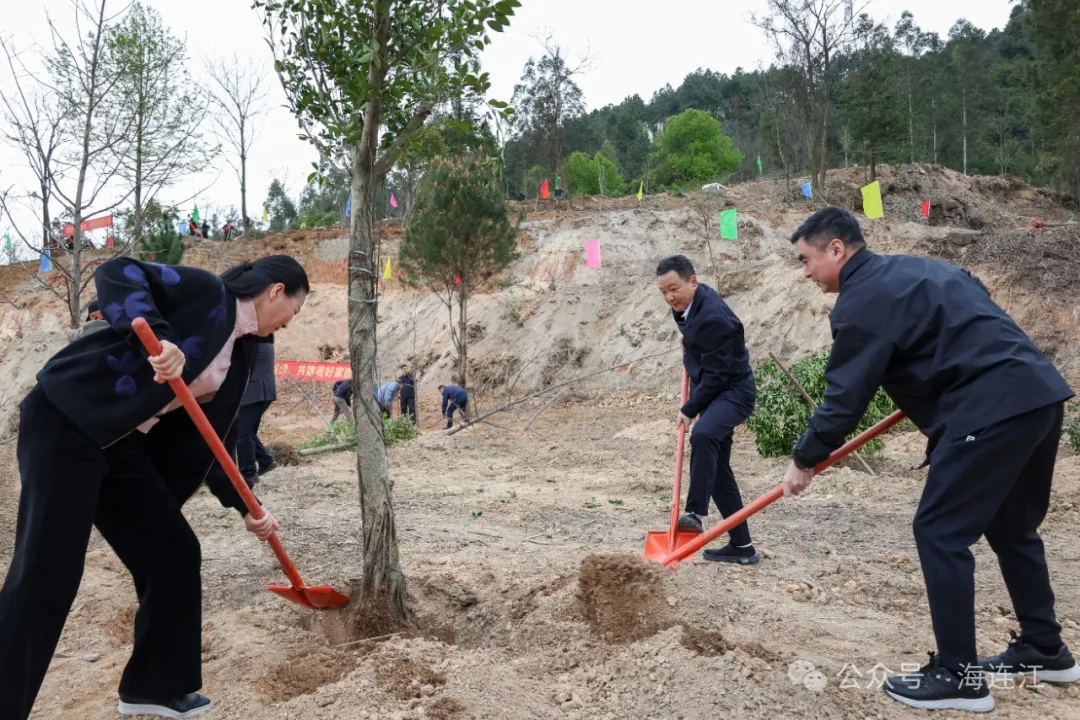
407 398
253 459
991 405
722 396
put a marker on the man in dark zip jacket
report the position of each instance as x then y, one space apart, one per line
407 398
991 405
722 397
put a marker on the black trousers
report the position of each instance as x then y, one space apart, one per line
69 484
408 407
710 458
993 482
249 449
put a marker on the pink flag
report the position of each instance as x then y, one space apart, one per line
592 253
393 200
926 208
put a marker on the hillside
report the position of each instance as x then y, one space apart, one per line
515 539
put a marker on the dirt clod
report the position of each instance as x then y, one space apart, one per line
284 454
623 597
306 674
405 678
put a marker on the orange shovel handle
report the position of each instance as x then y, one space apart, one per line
777 492
676 495
150 341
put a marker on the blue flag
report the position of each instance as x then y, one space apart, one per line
348 207
46 263
806 191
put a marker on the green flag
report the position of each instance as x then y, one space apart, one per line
195 215
759 164
729 225
7 242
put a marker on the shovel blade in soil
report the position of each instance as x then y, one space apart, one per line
320 597
657 548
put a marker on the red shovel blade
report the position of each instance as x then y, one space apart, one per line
656 543
319 597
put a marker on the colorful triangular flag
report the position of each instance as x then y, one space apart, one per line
807 191
7 242
46 263
926 208
393 201
266 215
544 190
729 225
195 215
348 207
759 165
592 253
640 190
386 270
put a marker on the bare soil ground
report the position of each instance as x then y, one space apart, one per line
530 600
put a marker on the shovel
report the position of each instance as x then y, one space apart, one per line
659 543
320 597
672 558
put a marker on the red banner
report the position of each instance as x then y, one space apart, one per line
91 224
319 371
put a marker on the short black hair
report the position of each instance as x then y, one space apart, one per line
827 224
679 263
92 307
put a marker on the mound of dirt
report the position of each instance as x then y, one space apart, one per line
284 454
356 621
306 674
623 597
406 679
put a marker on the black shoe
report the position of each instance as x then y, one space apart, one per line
933 687
1021 658
690 523
187 706
733 554
263 469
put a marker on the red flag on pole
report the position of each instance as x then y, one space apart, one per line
544 190
926 208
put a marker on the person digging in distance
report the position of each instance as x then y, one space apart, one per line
991 405
454 398
407 398
722 396
103 442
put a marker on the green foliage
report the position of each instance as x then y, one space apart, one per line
399 429
458 227
341 430
782 413
596 176
692 148
1072 427
280 207
160 241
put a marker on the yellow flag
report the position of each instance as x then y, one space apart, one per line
641 188
386 270
266 215
871 201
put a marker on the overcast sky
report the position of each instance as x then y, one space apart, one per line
638 48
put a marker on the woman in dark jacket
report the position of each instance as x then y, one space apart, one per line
104 442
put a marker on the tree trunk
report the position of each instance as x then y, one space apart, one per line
933 119
824 144
463 328
243 187
873 163
964 114
910 122
383 582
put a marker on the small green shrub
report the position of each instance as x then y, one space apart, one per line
394 430
782 413
398 429
1071 430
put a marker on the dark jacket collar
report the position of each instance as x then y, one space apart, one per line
856 261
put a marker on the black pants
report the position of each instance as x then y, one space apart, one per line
249 449
710 458
993 482
451 407
408 407
68 484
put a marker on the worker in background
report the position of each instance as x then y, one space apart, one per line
386 395
94 321
407 398
342 396
253 459
454 398
991 405
722 397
